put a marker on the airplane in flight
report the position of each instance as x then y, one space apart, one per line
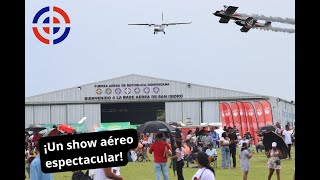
160 27
246 22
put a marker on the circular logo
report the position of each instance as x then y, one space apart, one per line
235 113
48 28
267 111
118 91
156 90
222 114
146 90
241 113
108 91
127 90
259 112
137 90
250 112
99 91
227 113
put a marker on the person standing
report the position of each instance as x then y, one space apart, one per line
274 162
159 149
205 141
205 171
278 129
180 152
225 150
233 145
35 167
287 139
214 135
245 155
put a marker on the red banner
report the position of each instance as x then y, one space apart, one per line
223 117
251 116
243 117
229 114
260 114
267 112
236 117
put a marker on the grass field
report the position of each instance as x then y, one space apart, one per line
258 170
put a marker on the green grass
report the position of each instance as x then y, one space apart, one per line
258 170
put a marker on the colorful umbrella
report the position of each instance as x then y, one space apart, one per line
65 128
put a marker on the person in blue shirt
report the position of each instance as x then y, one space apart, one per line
215 136
35 168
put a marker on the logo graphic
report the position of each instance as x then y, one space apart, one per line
146 90
267 110
235 113
108 91
156 90
48 31
137 90
259 112
99 91
118 91
241 113
127 90
250 112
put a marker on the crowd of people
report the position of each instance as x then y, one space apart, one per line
170 150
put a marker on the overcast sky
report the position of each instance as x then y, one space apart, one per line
102 46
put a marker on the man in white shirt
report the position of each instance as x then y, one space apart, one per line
287 139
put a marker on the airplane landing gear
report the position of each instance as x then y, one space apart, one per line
164 32
154 32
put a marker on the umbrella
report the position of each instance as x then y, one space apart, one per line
65 128
175 124
52 132
155 127
266 128
35 127
270 137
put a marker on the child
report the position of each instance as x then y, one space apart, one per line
245 155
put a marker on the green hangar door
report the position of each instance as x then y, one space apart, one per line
135 113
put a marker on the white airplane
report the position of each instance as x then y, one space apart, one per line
160 27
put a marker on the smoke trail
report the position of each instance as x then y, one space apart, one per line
275 29
273 19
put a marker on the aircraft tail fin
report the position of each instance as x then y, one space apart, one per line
267 24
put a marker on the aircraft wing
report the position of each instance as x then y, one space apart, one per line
143 24
224 20
244 29
231 10
167 24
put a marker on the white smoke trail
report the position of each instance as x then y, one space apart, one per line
273 19
275 29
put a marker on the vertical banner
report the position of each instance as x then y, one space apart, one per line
260 114
223 118
243 117
229 114
251 115
267 112
236 117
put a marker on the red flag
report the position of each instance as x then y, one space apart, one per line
267 112
229 114
251 115
260 114
223 117
243 116
236 117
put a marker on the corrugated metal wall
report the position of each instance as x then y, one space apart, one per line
173 111
210 112
59 114
191 112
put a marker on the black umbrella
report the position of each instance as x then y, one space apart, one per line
266 128
35 127
270 137
155 127
176 124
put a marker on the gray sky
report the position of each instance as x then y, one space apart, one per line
102 46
